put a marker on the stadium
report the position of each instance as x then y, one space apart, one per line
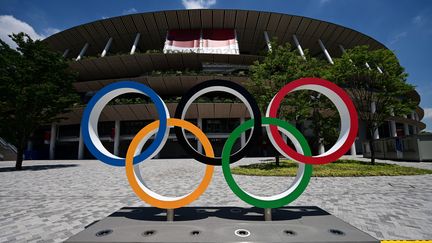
171 51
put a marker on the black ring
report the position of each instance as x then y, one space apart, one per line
256 133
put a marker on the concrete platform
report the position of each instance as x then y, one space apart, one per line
221 224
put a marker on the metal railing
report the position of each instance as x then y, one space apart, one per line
7 145
414 147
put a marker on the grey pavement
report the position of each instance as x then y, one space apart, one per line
57 199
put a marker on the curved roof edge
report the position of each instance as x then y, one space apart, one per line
248 23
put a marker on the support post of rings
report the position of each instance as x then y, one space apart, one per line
170 214
267 214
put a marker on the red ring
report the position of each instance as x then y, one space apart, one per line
348 103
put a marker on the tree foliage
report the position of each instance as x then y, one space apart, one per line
356 71
282 65
35 86
374 76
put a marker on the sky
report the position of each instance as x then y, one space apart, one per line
404 26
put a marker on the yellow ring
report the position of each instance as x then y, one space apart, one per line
130 173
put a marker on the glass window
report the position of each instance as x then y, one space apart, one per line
106 129
220 125
132 127
69 131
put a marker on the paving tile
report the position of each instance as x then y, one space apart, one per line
52 204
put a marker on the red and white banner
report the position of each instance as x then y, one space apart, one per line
212 41
219 41
182 41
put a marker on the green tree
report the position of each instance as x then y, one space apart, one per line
280 66
374 78
35 86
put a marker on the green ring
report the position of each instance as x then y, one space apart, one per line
242 194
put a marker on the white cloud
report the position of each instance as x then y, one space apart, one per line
418 20
428 113
428 119
129 11
9 24
196 4
322 2
50 31
398 37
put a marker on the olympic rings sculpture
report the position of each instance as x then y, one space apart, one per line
161 127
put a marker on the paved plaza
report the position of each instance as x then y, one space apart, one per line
53 200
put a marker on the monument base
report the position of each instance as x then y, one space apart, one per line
221 224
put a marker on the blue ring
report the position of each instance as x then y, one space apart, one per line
160 107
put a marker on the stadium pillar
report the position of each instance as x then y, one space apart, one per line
199 145
373 110
116 137
393 131
414 118
236 42
299 48
366 63
326 53
82 52
29 144
368 66
393 128
353 150
80 145
406 128
107 47
267 39
243 135
321 148
66 52
342 49
52 141
135 44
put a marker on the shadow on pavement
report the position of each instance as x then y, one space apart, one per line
38 167
230 213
